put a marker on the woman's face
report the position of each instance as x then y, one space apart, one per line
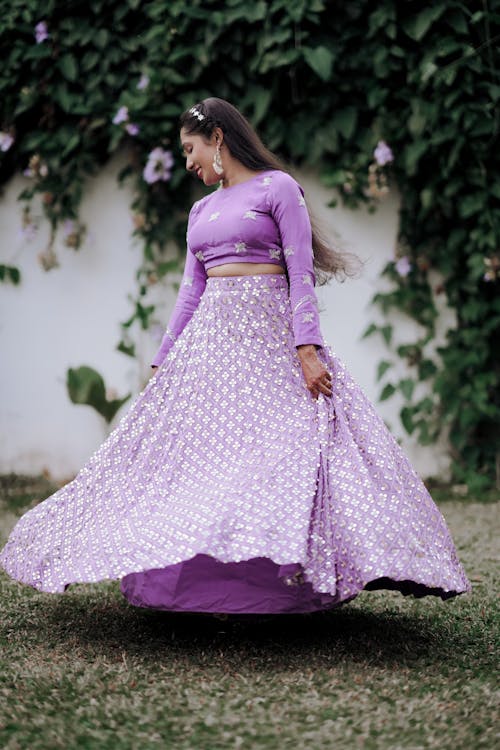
199 156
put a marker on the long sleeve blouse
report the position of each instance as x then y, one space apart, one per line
261 220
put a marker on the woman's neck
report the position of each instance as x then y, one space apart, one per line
236 173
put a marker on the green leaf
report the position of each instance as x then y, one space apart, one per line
250 13
320 59
426 369
386 332
428 70
376 96
417 120
128 349
68 67
63 97
406 386
345 120
71 144
471 204
412 154
382 368
419 25
426 198
406 415
86 386
495 189
372 328
10 273
262 102
168 266
90 60
387 392
457 21
101 38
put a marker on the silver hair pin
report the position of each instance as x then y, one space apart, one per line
197 113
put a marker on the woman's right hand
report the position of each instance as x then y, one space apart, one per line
318 379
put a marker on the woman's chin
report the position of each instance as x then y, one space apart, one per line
210 180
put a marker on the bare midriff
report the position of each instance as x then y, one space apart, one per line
244 269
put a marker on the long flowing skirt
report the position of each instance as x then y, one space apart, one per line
227 487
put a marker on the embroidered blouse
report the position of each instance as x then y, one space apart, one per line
261 220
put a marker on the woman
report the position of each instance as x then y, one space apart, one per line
251 474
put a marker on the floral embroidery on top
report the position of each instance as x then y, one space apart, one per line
301 200
169 333
214 216
240 247
303 300
250 215
188 281
288 251
306 279
307 317
199 255
273 253
266 181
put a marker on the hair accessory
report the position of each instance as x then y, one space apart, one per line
217 162
197 113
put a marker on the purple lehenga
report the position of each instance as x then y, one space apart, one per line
228 488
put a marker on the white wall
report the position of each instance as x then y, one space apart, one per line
70 316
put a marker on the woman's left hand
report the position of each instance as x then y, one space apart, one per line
318 379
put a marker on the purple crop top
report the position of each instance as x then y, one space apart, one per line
261 220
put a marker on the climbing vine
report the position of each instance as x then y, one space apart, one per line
369 93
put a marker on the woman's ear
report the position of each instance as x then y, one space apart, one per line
218 135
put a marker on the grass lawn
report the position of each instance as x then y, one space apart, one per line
85 669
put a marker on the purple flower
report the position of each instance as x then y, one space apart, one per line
121 116
41 33
132 128
143 83
158 166
6 141
403 266
383 153
28 232
68 227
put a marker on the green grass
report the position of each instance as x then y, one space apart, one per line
85 669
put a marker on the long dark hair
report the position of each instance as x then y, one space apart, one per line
245 145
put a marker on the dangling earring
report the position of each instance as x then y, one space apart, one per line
217 162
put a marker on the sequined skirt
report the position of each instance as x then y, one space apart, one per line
227 487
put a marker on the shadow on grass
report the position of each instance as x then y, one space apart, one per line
101 624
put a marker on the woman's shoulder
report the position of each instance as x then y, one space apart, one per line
283 186
281 175
198 205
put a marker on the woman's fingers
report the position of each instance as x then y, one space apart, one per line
321 389
321 384
318 378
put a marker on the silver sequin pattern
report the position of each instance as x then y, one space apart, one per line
225 452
